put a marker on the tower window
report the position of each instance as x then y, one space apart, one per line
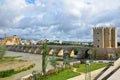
98 46
97 32
98 40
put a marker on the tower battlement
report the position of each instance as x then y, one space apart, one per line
105 37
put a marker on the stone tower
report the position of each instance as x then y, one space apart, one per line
114 37
105 37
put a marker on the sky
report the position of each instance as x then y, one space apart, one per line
65 20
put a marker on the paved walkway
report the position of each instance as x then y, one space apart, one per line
37 59
115 76
109 70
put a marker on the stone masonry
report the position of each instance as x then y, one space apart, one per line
105 37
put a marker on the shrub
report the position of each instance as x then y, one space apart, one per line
75 51
2 51
39 76
53 61
60 69
83 61
76 65
6 73
24 69
51 71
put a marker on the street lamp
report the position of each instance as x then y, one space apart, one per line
87 70
87 65
34 75
111 62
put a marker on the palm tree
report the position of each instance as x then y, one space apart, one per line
44 58
54 61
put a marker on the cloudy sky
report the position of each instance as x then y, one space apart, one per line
70 20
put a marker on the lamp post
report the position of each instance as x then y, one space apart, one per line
111 60
87 70
88 65
34 75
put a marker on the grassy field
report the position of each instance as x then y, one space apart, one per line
68 73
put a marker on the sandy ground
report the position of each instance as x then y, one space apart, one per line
14 65
36 58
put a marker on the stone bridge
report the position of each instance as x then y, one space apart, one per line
58 50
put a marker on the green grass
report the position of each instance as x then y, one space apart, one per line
63 75
68 73
94 66
10 72
4 59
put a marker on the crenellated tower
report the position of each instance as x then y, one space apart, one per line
114 37
98 34
105 37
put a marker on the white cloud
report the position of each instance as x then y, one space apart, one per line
61 19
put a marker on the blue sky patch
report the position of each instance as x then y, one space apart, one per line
30 1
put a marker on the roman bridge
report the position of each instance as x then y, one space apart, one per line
58 50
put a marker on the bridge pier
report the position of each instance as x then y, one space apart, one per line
52 50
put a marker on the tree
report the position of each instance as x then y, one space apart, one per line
90 54
2 51
44 58
66 60
95 54
54 61
75 51
117 54
89 44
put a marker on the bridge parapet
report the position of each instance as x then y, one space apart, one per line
52 49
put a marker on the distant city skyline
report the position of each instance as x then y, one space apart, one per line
65 20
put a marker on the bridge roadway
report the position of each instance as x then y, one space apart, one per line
58 50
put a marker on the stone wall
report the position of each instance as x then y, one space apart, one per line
106 53
105 37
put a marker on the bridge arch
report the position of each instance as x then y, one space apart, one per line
51 51
60 52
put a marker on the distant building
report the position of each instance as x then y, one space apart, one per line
105 37
10 40
33 42
55 41
87 43
42 41
28 42
25 42
71 42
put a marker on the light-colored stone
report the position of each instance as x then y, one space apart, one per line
105 37
110 69
115 76
10 40
27 77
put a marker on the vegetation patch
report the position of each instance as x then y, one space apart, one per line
67 72
6 73
10 66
